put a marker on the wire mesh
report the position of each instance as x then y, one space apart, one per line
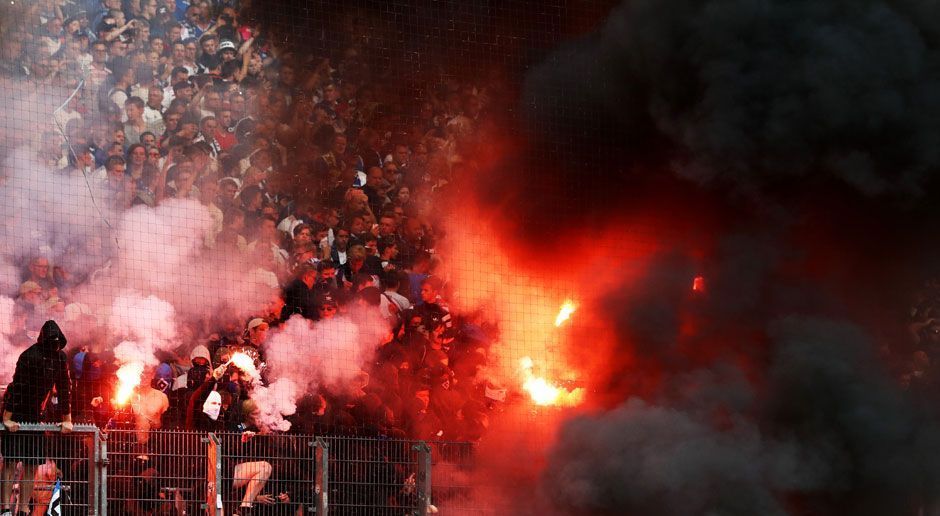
452 482
39 455
273 472
372 477
163 472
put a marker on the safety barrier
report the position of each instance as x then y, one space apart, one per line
455 488
171 472
42 464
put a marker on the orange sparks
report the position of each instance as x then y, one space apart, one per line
128 380
543 392
567 308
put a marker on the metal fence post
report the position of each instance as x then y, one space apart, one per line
423 480
213 476
322 476
93 445
101 468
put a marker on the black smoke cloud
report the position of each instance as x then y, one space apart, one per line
816 123
834 435
757 96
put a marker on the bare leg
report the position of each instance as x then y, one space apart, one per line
6 487
26 488
44 484
255 475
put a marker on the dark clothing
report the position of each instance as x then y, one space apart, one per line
298 299
196 419
372 266
371 158
376 200
40 368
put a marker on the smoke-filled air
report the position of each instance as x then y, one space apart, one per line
654 257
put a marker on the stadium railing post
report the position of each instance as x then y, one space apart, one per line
322 476
423 480
214 476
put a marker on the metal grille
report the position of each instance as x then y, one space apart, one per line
452 481
160 472
268 470
373 476
38 455
179 472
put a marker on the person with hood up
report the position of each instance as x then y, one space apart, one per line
39 368
187 383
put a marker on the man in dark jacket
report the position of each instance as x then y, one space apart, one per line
300 295
40 368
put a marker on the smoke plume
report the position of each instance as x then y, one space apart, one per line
303 356
756 96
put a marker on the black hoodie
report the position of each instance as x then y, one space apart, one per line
39 368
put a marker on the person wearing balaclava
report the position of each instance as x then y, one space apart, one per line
39 368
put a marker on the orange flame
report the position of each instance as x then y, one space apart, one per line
567 308
543 392
128 379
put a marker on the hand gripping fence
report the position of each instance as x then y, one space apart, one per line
170 472
42 465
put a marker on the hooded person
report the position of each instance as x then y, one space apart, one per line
40 368
187 383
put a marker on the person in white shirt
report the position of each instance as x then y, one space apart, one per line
153 111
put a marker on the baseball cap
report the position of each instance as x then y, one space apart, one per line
257 321
226 45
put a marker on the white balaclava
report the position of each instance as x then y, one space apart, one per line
213 405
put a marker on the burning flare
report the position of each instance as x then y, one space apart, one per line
244 362
567 308
543 392
128 379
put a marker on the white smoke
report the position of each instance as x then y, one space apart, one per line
328 352
147 323
8 354
50 214
275 401
304 355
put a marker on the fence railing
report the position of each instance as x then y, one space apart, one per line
170 472
41 464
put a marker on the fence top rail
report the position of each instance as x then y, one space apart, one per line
88 428
51 427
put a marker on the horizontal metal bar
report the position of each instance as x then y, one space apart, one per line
52 427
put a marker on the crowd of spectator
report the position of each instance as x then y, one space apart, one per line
327 170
